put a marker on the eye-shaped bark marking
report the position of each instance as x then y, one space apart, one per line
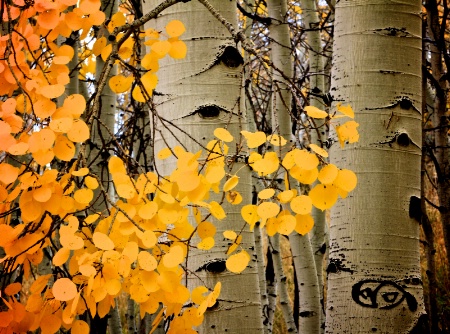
231 57
209 111
382 294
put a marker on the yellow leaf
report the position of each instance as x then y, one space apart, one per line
217 210
102 241
254 139
149 239
267 165
148 210
286 196
81 172
250 214
347 132
276 140
238 262
113 286
79 132
301 204
317 149
64 289
304 224
323 196
91 182
64 149
206 243
61 125
286 223
138 95
304 176
346 110
83 196
231 183
214 174
305 160
8 173
206 229
223 134
116 165
346 180
178 49
315 112
76 104
117 20
268 209
175 28
106 51
229 234
328 174
61 256
131 250
146 261
120 83
266 193
99 45
161 48
79 327
198 294
234 197
149 81
174 257
52 91
164 153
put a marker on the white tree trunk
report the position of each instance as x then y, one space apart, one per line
198 94
302 253
374 282
316 85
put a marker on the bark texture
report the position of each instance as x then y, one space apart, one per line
194 96
374 282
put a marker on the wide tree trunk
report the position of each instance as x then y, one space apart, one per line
194 96
374 282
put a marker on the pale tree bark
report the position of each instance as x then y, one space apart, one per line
318 134
374 282
198 94
260 236
302 252
280 276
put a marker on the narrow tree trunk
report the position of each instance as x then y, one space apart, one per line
441 122
374 282
318 135
286 308
302 253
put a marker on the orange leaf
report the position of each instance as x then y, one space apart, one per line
52 91
83 196
50 324
76 104
102 241
8 173
44 107
79 131
79 327
64 149
64 289
175 28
